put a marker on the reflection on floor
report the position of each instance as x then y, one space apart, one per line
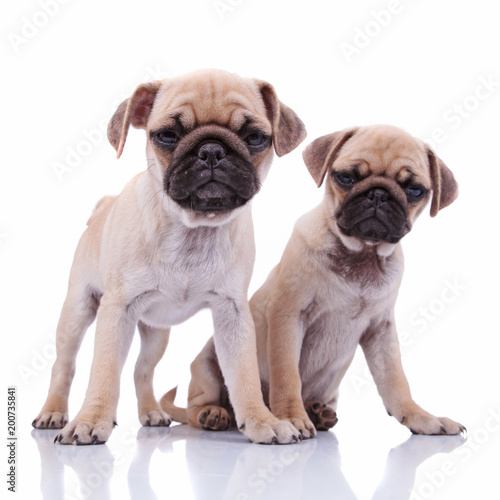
225 466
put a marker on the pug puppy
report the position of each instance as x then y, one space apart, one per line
178 238
337 283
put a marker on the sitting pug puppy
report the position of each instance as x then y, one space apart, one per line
179 238
336 286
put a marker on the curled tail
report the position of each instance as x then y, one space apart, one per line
167 404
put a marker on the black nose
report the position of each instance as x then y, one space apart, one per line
377 196
211 153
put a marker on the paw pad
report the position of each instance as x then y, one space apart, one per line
214 419
322 416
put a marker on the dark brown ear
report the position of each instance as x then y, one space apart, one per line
288 129
321 153
444 185
132 111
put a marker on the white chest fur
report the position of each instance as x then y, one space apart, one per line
192 266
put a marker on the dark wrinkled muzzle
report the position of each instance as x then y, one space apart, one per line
375 210
211 171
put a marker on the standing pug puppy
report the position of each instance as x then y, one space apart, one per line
178 238
338 280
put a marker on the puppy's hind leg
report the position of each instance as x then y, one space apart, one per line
78 312
153 344
208 403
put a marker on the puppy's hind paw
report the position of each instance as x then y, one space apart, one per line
214 418
322 416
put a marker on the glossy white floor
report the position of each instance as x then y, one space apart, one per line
369 456
182 462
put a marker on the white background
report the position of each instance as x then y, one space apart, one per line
65 73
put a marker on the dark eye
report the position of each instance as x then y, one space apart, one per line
414 193
167 137
255 139
344 179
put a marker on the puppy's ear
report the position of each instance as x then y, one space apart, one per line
321 153
288 129
444 185
132 111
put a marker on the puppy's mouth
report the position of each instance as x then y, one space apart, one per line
374 217
211 172
212 197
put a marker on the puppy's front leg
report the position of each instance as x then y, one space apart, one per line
235 345
284 343
97 417
153 344
381 347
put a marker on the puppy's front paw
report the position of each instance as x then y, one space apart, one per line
304 425
270 431
155 418
82 432
50 420
425 423
299 419
321 415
